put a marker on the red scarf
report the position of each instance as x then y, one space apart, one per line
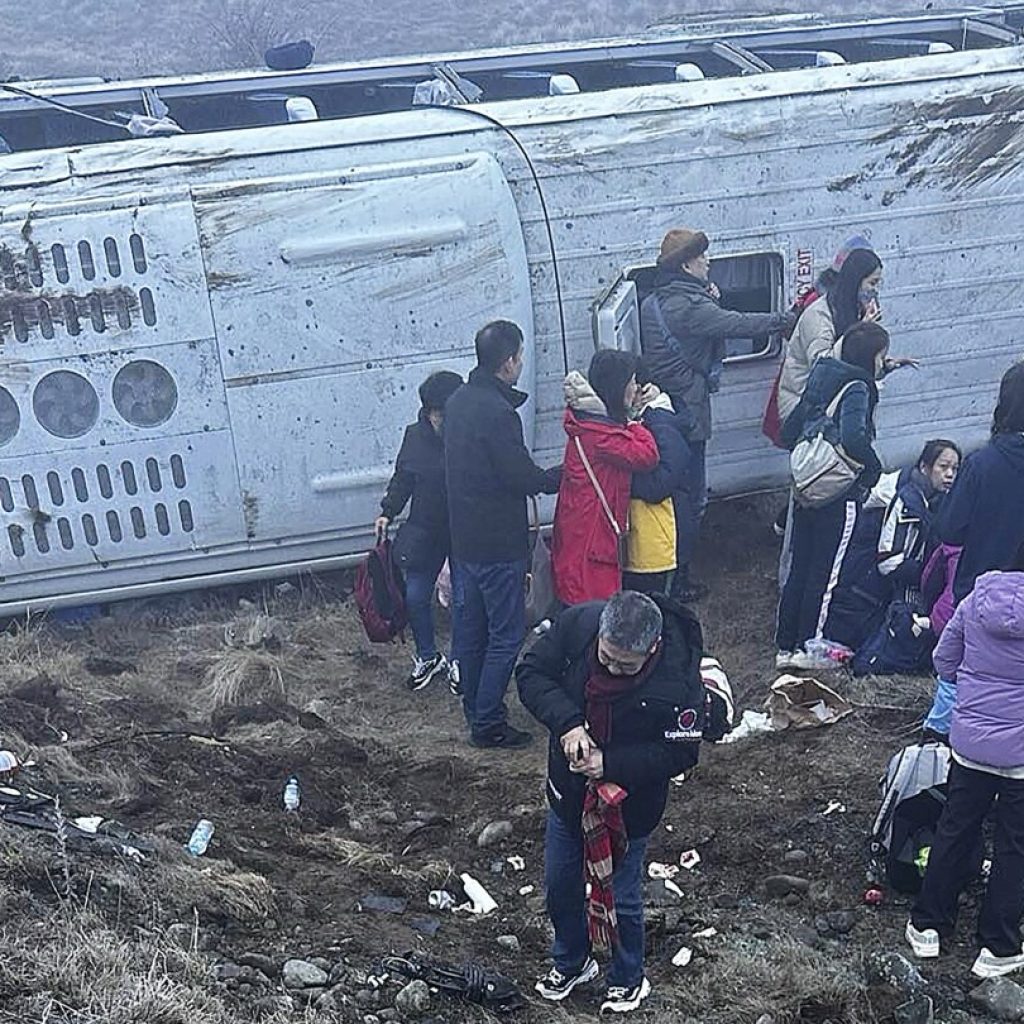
604 831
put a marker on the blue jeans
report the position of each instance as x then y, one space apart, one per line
419 603
940 718
566 903
488 628
690 505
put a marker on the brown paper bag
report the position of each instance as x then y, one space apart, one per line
800 703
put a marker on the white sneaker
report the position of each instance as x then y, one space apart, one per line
925 943
424 671
622 1000
555 985
805 662
784 660
988 965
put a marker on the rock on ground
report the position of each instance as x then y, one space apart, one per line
495 832
303 974
1000 997
414 999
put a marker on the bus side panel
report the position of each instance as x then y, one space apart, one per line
334 297
115 449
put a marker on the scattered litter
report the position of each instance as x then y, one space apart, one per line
9 764
383 904
441 899
292 795
428 926
516 863
483 902
672 887
683 957
201 836
678 780
834 807
707 933
526 890
670 828
804 704
751 723
828 652
659 871
689 860
90 824
874 897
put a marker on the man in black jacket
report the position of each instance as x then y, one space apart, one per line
618 686
683 331
422 543
489 474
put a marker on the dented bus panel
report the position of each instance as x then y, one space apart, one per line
211 343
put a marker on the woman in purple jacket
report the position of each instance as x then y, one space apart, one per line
982 649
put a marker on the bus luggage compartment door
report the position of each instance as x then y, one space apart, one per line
333 298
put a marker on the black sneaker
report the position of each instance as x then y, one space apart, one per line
556 986
424 671
622 1000
509 738
454 680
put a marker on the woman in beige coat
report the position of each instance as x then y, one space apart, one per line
853 297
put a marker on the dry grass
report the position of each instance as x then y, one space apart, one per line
78 970
781 977
213 888
365 858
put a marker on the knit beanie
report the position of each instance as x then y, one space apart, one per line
681 245
438 388
609 373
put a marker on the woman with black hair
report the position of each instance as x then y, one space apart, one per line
852 297
822 534
985 510
424 539
890 547
604 449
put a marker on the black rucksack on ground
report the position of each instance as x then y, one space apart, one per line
913 796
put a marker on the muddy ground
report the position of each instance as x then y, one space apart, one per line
203 705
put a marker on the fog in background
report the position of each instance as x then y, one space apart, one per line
123 38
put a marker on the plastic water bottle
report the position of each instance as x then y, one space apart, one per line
292 797
483 902
201 836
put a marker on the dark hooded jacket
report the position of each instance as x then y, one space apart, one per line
680 361
419 475
985 510
853 421
489 472
669 476
656 728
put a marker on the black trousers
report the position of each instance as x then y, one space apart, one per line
646 582
821 540
953 856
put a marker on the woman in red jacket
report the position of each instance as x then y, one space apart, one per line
603 452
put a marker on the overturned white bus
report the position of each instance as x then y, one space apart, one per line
212 340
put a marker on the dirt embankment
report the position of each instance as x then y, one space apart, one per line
204 706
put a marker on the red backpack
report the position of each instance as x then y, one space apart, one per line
379 594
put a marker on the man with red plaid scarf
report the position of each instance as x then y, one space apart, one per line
618 686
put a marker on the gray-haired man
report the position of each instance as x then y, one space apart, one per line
618 687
